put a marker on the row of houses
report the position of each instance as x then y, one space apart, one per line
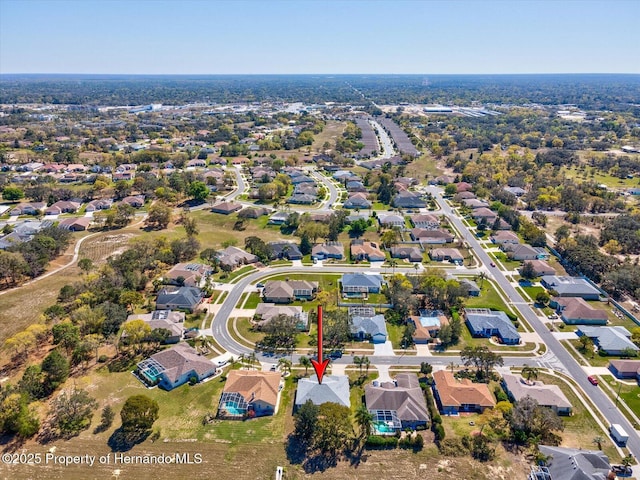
72 206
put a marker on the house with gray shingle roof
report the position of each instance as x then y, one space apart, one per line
174 367
550 396
334 388
576 311
487 323
286 291
610 340
361 283
179 298
570 287
625 368
413 254
365 328
328 250
575 464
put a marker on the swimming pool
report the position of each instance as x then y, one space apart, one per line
231 409
382 428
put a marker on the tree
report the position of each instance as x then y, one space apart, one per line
135 332
55 368
159 216
12 194
285 363
364 419
529 373
190 226
306 423
542 298
306 363
528 271
106 419
198 191
333 428
72 412
67 335
586 344
305 245
450 189
139 413
358 227
598 440
130 299
31 383
531 423
280 335
482 358
426 368
337 329
85 264
16 417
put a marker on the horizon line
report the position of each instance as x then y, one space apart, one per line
316 73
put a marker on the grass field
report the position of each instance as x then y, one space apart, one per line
488 298
629 394
580 428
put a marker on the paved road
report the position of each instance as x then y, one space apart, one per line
219 325
334 194
568 364
385 141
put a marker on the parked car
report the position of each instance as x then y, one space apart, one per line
335 354
492 264
593 380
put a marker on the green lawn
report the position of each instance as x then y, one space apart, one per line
533 291
252 301
488 298
581 427
629 394
508 264
595 360
244 327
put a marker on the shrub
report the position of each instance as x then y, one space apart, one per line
377 442
438 430
453 447
103 358
193 380
501 396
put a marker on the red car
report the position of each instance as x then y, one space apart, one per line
593 380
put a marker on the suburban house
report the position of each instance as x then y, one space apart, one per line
32 208
253 212
470 286
572 464
288 250
413 254
189 274
487 323
328 250
433 237
173 322
520 251
278 218
136 201
541 268
517 191
610 340
357 200
396 405
174 367
428 221
361 283
474 203
503 237
427 325
485 214
576 311
265 312
369 328
75 224
249 394
179 298
458 197
570 287
550 396
226 208
334 388
391 220
407 199
364 250
452 255
463 187
62 206
233 257
286 291
454 396
95 205
302 199
625 368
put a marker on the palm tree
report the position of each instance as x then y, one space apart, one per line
481 278
529 373
366 362
286 364
364 419
394 263
358 361
597 440
306 363
452 366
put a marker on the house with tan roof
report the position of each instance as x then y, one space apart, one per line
625 368
425 220
550 396
540 267
189 274
452 255
576 311
454 396
363 250
502 236
249 394
286 291
434 237
174 367
226 208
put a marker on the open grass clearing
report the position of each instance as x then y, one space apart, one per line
629 394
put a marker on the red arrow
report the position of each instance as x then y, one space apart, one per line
320 366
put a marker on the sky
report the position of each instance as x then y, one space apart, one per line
314 36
